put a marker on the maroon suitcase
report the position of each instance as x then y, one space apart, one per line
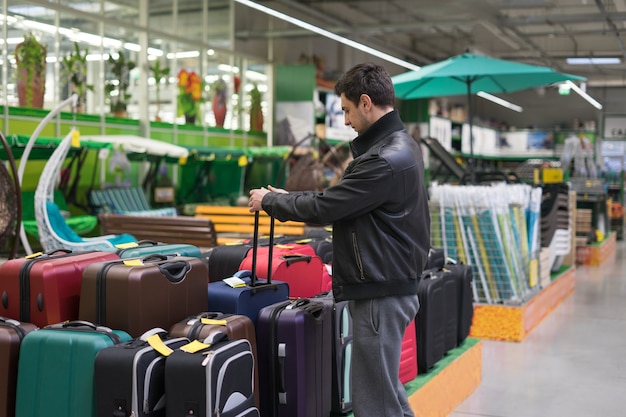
11 334
44 289
136 295
236 326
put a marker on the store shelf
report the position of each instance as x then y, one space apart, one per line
514 323
597 253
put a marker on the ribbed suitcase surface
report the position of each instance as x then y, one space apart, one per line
45 289
147 247
136 295
12 332
295 359
56 369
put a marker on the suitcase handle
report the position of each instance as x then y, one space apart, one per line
56 251
157 330
292 259
146 242
83 323
255 246
175 271
155 257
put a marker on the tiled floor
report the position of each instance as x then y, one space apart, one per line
572 365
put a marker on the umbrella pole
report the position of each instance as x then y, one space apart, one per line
471 132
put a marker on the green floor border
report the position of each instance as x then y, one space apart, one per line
422 379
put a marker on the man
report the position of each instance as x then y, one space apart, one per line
381 235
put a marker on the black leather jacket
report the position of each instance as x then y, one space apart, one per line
379 213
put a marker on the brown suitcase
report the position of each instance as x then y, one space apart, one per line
136 295
11 334
236 326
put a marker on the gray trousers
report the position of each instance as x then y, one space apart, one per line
378 329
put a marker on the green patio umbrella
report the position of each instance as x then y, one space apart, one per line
468 74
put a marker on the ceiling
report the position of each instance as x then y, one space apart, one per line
541 32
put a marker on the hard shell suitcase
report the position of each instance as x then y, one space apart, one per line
212 378
235 326
436 258
136 295
246 294
224 260
430 320
295 358
341 394
297 265
45 288
462 275
450 289
56 369
145 248
11 334
130 377
408 355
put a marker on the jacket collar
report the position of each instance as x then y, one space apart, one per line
381 128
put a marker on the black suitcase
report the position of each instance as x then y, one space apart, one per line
431 320
462 275
436 258
129 377
341 396
210 379
224 260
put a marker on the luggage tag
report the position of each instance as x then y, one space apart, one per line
157 344
217 322
235 282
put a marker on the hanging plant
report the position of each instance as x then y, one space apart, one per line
30 56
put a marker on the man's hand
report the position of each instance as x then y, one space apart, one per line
257 194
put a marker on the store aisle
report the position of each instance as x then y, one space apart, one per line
572 365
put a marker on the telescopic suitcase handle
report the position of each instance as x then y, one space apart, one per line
255 246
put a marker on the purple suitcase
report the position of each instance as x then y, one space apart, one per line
294 344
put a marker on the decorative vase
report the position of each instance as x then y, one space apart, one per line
256 120
219 110
34 97
190 119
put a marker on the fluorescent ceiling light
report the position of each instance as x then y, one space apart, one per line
594 61
330 35
500 101
584 95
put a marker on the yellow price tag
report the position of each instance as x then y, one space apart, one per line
182 160
33 255
75 139
242 161
158 345
194 346
133 262
213 321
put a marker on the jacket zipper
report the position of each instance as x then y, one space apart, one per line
357 256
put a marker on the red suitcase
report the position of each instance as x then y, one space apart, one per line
11 334
408 356
45 288
294 264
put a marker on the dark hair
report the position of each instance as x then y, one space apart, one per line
370 79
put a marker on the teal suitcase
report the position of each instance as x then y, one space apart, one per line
145 248
56 369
